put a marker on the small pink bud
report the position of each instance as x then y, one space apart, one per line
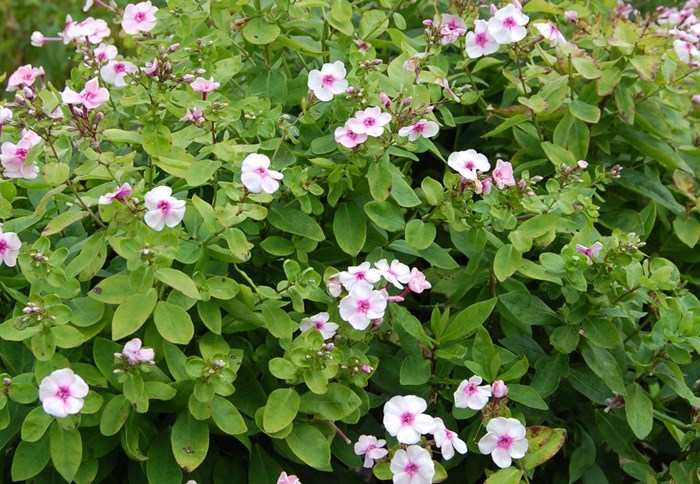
350 90
408 101
499 389
696 99
384 99
493 9
377 62
99 117
427 22
188 78
174 47
200 71
582 164
571 15
366 369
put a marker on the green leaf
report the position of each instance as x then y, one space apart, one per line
35 425
506 262
260 32
281 408
584 112
132 313
174 323
263 469
558 155
639 411
543 443
415 370
510 475
467 321
601 332
122 136
114 415
608 81
401 191
586 67
656 149
419 235
227 417
604 365
189 441
310 445
341 15
62 221
161 465
386 215
30 458
649 187
295 222
528 309
349 228
687 229
156 140
337 403
66 450
527 396
179 281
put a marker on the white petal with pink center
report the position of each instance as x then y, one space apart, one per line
505 440
362 273
163 209
412 465
424 128
9 248
480 42
468 163
256 175
395 273
319 322
329 81
362 305
139 18
91 96
508 25
471 394
371 122
62 393
371 448
550 32
447 440
346 137
404 418
115 72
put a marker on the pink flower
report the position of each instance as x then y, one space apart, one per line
550 32
196 116
371 448
333 285
571 15
451 28
329 81
590 252
685 50
695 99
24 76
13 157
480 42
163 209
447 440
424 128
115 72
92 95
31 137
397 273
256 175
139 18
134 354
486 185
503 174
405 420
623 9
370 122
9 247
468 163
104 53
95 30
505 440
62 392
5 115
151 68
37 39
285 479
499 389
357 274
204 86
508 25
346 137
417 283
582 164
319 322
362 305
413 465
121 193
470 395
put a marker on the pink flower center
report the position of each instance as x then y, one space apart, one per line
469 165
411 468
363 306
407 419
371 447
88 95
360 276
63 393
505 441
470 389
319 325
481 40
509 23
419 127
328 80
369 122
3 246
140 17
28 76
261 171
119 67
164 206
21 153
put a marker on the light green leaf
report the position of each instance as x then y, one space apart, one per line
132 313
173 322
281 408
349 228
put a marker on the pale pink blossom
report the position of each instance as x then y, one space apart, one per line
163 209
447 440
321 323
417 283
370 122
24 76
468 163
13 159
424 128
503 174
346 137
508 25
571 15
285 479
104 53
94 30
62 393
484 185
37 39
115 72
139 18
133 353
256 175
550 32
151 68
30 136
329 81
196 116
695 99
412 465
92 95
623 9
505 440
582 164
384 99
685 50
405 420
204 86
357 274
9 247
362 305
371 448
395 273
5 115
470 394
121 194
480 42
591 252
451 28
334 286
499 389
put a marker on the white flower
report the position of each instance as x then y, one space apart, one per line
37 39
505 440
361 273
685 50
362 305
480 42
404 418
319 322
470 395
333 285
163 209
424 128
447 440
371 448
329 81
62 392
371 122
550 32
139 18
115 72
5 115
412 466
468 163
9 247
397 273
256 176
508 25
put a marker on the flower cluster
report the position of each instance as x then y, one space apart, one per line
683 26
13 157
506 26
471 165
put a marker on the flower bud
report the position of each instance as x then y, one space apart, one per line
6 381
5 115
384 99
200 71
174 47
582 164
571 15
37 39
188 78
493 9
696 99
499 389
350 90
407 101
427 22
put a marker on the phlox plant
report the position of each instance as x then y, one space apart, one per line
380 241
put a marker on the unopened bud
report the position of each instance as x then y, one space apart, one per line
200 71
407 101
493 9
499 389
350 90
384 99
427 22
6 381
99 116
174 47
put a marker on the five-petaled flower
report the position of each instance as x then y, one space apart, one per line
204 86
447 440
508 25
503 174
163 209
550 32
451 28
424 128
362 273
196 116
115 72
13 156
288 479
468 163
348 138
371 122
133 353
121 193
104 53
256 175
9 247
362 305
371 448
92 95
329 81
591 252
412 465
24 76
396 273
321 323
405 420
470 395
505 440
62 393
139 18
418 283
480 42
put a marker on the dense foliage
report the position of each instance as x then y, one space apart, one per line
246 241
